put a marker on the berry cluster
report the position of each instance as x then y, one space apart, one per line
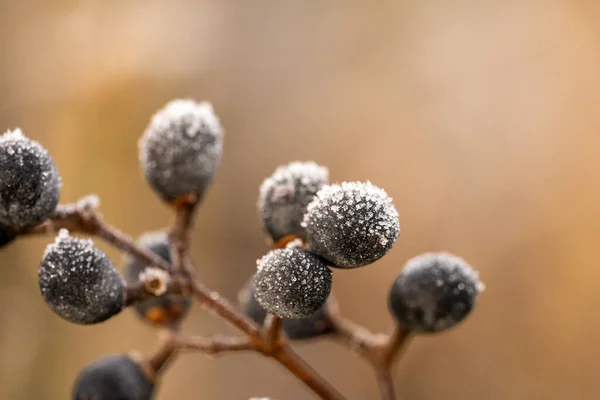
314 227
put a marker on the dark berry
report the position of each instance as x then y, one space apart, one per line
296 329
79 282
7 235
181 149
352 224
29 182
284 196
164 310
292 283
114 377
434 292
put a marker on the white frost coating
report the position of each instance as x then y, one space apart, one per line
181 148
351 224
284 196
29 181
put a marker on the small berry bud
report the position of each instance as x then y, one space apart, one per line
164 310
79 282
352 224
317 324
434 292
114 377
181 149
29 181
284 196
292 283
7 235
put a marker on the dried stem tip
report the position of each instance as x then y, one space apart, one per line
79 282
181 149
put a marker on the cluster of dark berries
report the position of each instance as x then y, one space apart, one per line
312 225
316 225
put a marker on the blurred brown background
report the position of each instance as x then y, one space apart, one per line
479 117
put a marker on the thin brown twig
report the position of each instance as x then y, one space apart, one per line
272 328
85 219
214 345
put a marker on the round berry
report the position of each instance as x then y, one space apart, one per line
284 196
352 224
29 181
181 149
434 292
292 283
317 324
79 282
114 377
164 310
7 235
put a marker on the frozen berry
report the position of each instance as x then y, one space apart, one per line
181 149
79 282
114 377
284 196
29 181
164 310
434 292
292 283
296 329
352 224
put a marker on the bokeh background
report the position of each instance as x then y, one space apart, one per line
480 118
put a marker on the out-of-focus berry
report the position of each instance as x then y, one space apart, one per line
434 292
181 149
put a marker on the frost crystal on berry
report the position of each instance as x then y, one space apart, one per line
284 196
181 149
351 224
434 292
79 282
318 324
29 181
292 283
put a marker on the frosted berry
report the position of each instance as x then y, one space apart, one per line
181 149
316 325
165 310
114 377
284 196
79 282
352 224
434 292
29 181
292 283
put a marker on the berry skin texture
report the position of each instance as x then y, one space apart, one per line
352 224
168 309
292 283
29 182
317 324
434 292
284 196
78 281
114 377
181 149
